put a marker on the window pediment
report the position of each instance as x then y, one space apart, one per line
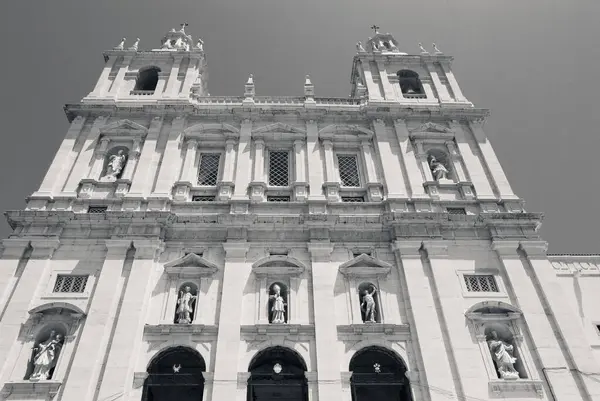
124 128
345 132
278 127
278 265
54 307
493 311
191 265
431 130
365 266
214 131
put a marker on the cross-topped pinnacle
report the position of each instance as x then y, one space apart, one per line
183 26
375 28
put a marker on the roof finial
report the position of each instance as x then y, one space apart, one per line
423 51
183 26
436 50
359 47
120 45
375 28
200 44
250 79
135 44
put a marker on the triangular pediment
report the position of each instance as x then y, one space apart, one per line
432 127
124 128
278 127
365 266
191 265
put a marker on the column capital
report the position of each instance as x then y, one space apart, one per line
505 248
44 248
192 143
235 249
436 248
298 143
259 143
14 247
230 143
148 248
117 247
400 121
378 121
365 144
320 250
408 248
327 144
534 249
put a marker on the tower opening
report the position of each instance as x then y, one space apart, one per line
410 84
276 374
147 79
378 374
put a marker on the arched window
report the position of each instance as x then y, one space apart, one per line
185 310
147 79
278 303
175 374
410 84
370 307
378 374
44 356
277 373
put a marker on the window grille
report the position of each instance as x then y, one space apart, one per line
202 198
348 167
279 169
457 210
353 199
208 172
97 209
70 283
278 198
480 283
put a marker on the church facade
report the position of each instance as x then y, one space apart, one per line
194 247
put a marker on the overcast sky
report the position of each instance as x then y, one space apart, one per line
534 63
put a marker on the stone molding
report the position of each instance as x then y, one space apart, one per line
38 389
366 329
139 378
167 330
506 387
190 266
278 265
278 329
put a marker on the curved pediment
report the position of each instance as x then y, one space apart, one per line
278 265
124 128
57 307
191 265
222 128
492 309
365 266
278 127
344 131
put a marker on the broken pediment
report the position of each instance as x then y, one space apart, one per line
365 266
432 127
278 265
191 265
124 128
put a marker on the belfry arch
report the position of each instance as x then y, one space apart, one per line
378 374
277 373
175 374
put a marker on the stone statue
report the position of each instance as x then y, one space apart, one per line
46 355
436 50
200 44
359 47
368 305
439 171
121 45
502 354
135 44
278 308
423 51
184 308
116 163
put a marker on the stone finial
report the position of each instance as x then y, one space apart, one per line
309 88
200 44
423 51
359 47
250 80
307 80
249 89
183 27
135 44
436 50
121 45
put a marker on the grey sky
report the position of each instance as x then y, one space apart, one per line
534 63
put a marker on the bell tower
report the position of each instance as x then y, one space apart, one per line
175 71
383 73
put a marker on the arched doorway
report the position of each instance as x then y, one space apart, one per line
378 374
277 374
175 374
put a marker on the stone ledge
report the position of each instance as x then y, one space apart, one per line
278 329
169 329
44 389
524 387
377 328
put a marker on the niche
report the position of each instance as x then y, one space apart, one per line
185 308
370 307
48 344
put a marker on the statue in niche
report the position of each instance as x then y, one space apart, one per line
502 354
115 166
278 306
185 305
45 357
368 305
439 171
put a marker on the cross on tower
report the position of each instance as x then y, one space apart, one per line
375 28
183 26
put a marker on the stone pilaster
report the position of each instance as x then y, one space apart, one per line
171 163
188 174
95 336
440 88
300 184
415 178
374 186
388 91
315 164
125 343
142 180
120 78
332 184
13 257
392 170
173 84
190 75
428 328
226 185
103 82
235 275
258 184
324 274
98 159
458 95
244 163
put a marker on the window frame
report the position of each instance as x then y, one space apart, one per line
290 172
359 168
49 293
501 293
197 165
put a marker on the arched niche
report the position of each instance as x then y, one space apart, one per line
284 271
497 329
370 304
378 374
114 163
147 79
48 342
277 373
175 374
185 309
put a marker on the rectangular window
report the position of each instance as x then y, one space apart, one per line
278 198
480 283
457 210
353 199
97 209
279 168
208 172
348 166
70 283
202 198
